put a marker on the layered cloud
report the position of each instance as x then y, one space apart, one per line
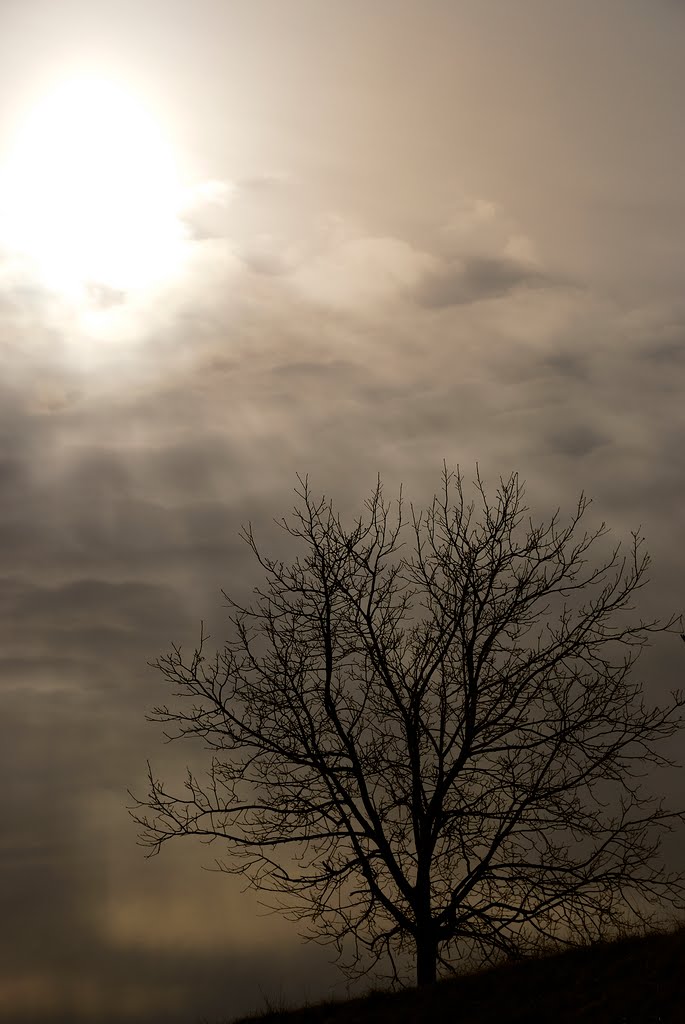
340 317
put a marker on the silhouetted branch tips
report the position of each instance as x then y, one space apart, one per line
425 736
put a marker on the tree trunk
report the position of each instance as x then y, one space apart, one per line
426 960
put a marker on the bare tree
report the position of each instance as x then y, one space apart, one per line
431 748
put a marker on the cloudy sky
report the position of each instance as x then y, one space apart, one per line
241 239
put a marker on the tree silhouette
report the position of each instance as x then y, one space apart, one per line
433 749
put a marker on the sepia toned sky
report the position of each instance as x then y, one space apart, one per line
344 238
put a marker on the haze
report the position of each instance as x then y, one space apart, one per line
410 231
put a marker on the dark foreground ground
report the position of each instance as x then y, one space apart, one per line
638 980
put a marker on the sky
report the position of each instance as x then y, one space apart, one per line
247 239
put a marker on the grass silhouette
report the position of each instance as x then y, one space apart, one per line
633 980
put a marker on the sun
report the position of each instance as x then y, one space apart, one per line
90 191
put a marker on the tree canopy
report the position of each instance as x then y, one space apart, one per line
425 733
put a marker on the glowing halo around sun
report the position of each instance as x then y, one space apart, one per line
90 191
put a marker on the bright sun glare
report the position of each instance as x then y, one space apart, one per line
89 192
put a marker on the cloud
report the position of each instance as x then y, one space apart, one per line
576 440
476 279
206 208
277 227
356 272
480 254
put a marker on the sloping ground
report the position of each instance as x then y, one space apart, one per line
637 980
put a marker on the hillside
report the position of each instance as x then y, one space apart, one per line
639 980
